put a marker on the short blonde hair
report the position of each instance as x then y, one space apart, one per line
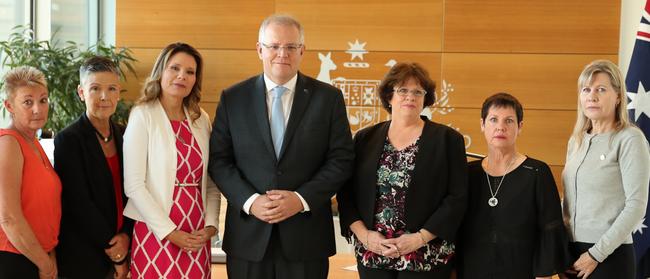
19 77
621 118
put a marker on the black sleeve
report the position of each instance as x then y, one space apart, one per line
445 221
222 166
551 254
348 212
337 168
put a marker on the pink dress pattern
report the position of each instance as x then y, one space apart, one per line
154 258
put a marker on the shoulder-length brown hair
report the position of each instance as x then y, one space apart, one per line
152 89
399 74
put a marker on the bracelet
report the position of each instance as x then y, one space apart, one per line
424 242
366 244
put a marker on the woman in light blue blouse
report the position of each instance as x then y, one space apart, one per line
605 177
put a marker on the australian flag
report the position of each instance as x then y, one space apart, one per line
637 82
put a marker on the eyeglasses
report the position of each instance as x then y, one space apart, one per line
405 91
287 48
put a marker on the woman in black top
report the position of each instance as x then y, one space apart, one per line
406 198
513 226
95 236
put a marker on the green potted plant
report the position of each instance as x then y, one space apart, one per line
60 64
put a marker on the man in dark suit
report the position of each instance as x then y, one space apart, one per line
280 149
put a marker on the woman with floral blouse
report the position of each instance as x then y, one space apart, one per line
406 199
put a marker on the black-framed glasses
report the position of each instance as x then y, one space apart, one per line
288 48
402 91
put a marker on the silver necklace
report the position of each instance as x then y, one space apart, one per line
493 201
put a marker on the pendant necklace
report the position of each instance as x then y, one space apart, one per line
103 138
493 201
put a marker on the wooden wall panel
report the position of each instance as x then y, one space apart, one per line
557 175
224 68
414 25
359 85
134 82
544 135
219 24
516 26
376 64
472 48
539 81
210 108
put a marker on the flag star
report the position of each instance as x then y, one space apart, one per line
640 102
640 226
356 49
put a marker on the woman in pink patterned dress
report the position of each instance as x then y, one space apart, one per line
174 202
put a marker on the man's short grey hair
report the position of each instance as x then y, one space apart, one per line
281 19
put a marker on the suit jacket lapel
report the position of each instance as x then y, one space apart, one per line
300 101
261 113
95 154
99 171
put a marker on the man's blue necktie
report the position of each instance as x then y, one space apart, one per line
277 119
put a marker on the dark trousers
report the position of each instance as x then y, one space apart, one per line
274 265
16 266
620 264
443 272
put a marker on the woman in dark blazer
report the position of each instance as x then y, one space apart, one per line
407 196
94 237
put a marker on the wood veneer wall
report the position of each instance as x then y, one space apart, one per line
534 50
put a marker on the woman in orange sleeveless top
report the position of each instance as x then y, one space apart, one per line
30 190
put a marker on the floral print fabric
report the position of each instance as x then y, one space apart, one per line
393 179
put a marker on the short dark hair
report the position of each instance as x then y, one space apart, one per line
97 64
502 100
398 75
